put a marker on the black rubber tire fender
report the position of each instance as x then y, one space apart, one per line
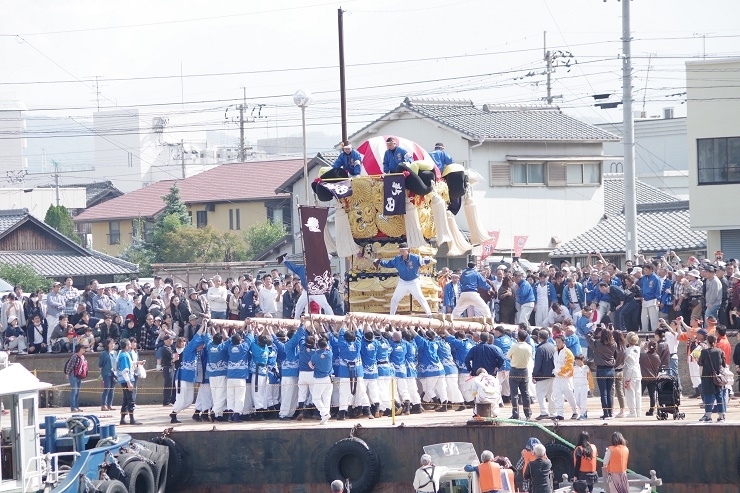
561 458
334 464
176 461
123 461
110 486
139 478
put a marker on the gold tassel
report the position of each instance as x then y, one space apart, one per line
439 212
477 232
458 244
331 246
414 236
346 246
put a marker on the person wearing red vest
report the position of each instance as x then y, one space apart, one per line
585 458
615 464
489 473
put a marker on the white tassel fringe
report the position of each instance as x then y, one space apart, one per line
458 244
478 233
331 246
439 213
414 236
346 246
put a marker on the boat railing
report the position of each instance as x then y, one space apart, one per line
45 468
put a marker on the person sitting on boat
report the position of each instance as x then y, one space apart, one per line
394 155
489 473
440 157
349 161
585 459
426 479
523 463
337 486
539 471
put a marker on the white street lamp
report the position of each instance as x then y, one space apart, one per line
302 99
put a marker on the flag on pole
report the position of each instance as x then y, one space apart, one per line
394 195
318 267
489 246
519 242
339 189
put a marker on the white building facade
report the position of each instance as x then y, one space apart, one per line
713 95
13 143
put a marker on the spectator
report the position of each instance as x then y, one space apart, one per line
107 361
76 371
37 334
15 336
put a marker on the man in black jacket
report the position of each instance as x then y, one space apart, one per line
542 374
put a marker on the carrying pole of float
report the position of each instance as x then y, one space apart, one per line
342 86
359 317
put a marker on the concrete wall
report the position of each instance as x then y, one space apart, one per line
713 94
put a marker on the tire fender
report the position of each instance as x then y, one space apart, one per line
139 478
561 457
353 449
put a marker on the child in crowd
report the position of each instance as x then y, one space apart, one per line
580 385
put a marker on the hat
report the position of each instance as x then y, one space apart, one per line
192 316
130 316
191 291
178 285
710 268
736 275
346 145
403 246
702 332
389 140
11 318
439 144
130 291
167 286
680 272
158 318
693 273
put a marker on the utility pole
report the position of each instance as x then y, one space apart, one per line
628 138
549 58
56 178
97 93
342 87
182 156
242 148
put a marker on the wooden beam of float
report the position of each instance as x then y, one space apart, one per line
436 324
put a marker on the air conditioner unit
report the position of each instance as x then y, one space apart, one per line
667 113
211 207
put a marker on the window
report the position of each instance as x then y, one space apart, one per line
238 219
718 160
114 232
201 219
231 218
584 174
148 231
528 174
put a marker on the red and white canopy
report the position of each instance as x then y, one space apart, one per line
373 150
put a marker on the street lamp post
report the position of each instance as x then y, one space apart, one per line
302 99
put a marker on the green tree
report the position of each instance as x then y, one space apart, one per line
59 218
140 254
261 236
26 276
174 206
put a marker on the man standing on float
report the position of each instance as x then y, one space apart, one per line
304 298
407 264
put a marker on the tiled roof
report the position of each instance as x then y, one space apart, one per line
72 260
94 190
69 264
658 229
254 180
505 123
324 158
645 194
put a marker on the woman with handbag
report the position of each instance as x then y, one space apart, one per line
712 361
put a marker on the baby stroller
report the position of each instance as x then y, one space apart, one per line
669 395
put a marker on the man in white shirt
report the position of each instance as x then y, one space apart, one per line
217 299
673 331
124 303
557 314
268 297
428 475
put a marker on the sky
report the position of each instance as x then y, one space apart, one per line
193 61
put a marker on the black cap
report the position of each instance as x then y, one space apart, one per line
403 245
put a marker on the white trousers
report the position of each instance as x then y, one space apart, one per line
544 391
372 390
384 391
335 393
470 299
464 383
402 389
235 389
273 394
321 392
414 289
525 311
305 379
204 399
218 392
183 398
633 394
601 310
694 372
434 387
649 315
540 313
413 386
304 299
345 393
453 390
503 380
259 396
52 322
580 392
288 396
562 389
248 407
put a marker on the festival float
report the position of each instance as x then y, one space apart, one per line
374 212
